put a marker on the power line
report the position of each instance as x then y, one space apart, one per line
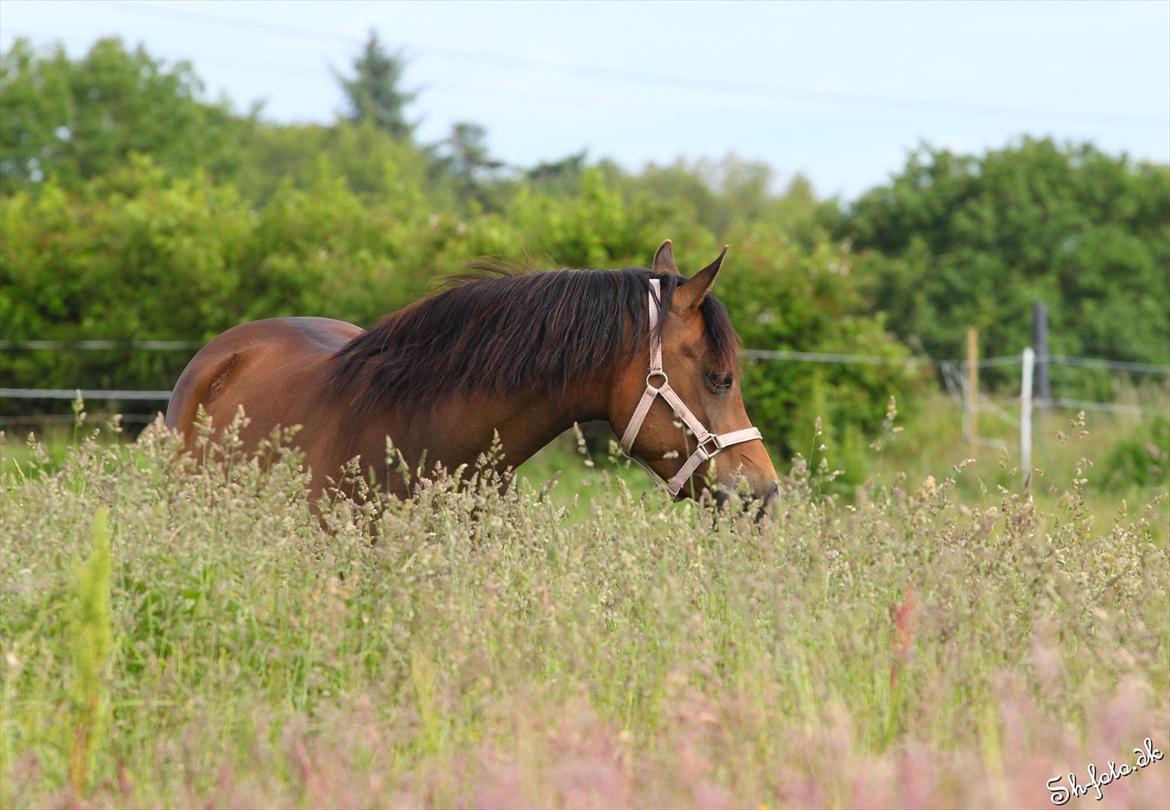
689 82
830 357
574 101
1113 365
1086 405
789 93
280 29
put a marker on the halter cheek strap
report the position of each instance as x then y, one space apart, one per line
658 385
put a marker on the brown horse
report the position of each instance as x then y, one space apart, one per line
524 355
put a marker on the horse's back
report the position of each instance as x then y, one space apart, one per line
258 365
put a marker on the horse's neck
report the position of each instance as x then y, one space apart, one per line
460 431
525 426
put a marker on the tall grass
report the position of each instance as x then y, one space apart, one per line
904 648
90 634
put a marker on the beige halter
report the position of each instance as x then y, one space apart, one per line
709 444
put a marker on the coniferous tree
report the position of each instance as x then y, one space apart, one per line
375 94
464 160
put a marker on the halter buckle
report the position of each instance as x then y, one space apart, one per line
659 373
709 446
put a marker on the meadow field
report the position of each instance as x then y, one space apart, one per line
179 635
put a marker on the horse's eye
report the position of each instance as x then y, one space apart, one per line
719 383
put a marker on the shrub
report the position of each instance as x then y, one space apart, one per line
974 240
1141 461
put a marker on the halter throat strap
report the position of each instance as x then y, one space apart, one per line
658 385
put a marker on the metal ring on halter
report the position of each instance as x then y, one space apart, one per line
716 443
662 374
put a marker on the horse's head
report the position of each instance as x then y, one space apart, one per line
689 413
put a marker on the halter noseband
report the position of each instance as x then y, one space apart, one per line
709 444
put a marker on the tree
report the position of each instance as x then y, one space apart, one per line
558 176
75 120
731 194
464 157
368 159
374 93
960 240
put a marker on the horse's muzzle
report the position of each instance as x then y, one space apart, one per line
760 501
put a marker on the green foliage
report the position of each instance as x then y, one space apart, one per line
559 176
1141 460
784 298
138 254
956 241
464 157
71 121
135 255
596 228
369 161
729 195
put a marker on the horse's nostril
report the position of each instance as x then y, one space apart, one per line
771 495
766 501
720 495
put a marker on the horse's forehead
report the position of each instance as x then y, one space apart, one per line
685 334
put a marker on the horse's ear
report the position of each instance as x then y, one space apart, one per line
690 293
664 260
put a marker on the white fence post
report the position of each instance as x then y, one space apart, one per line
1026 413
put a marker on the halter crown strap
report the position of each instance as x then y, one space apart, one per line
709 444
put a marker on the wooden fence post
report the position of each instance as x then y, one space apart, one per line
1026 414
972 391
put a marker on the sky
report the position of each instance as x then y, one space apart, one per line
837 91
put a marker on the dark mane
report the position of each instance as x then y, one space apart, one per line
512 332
